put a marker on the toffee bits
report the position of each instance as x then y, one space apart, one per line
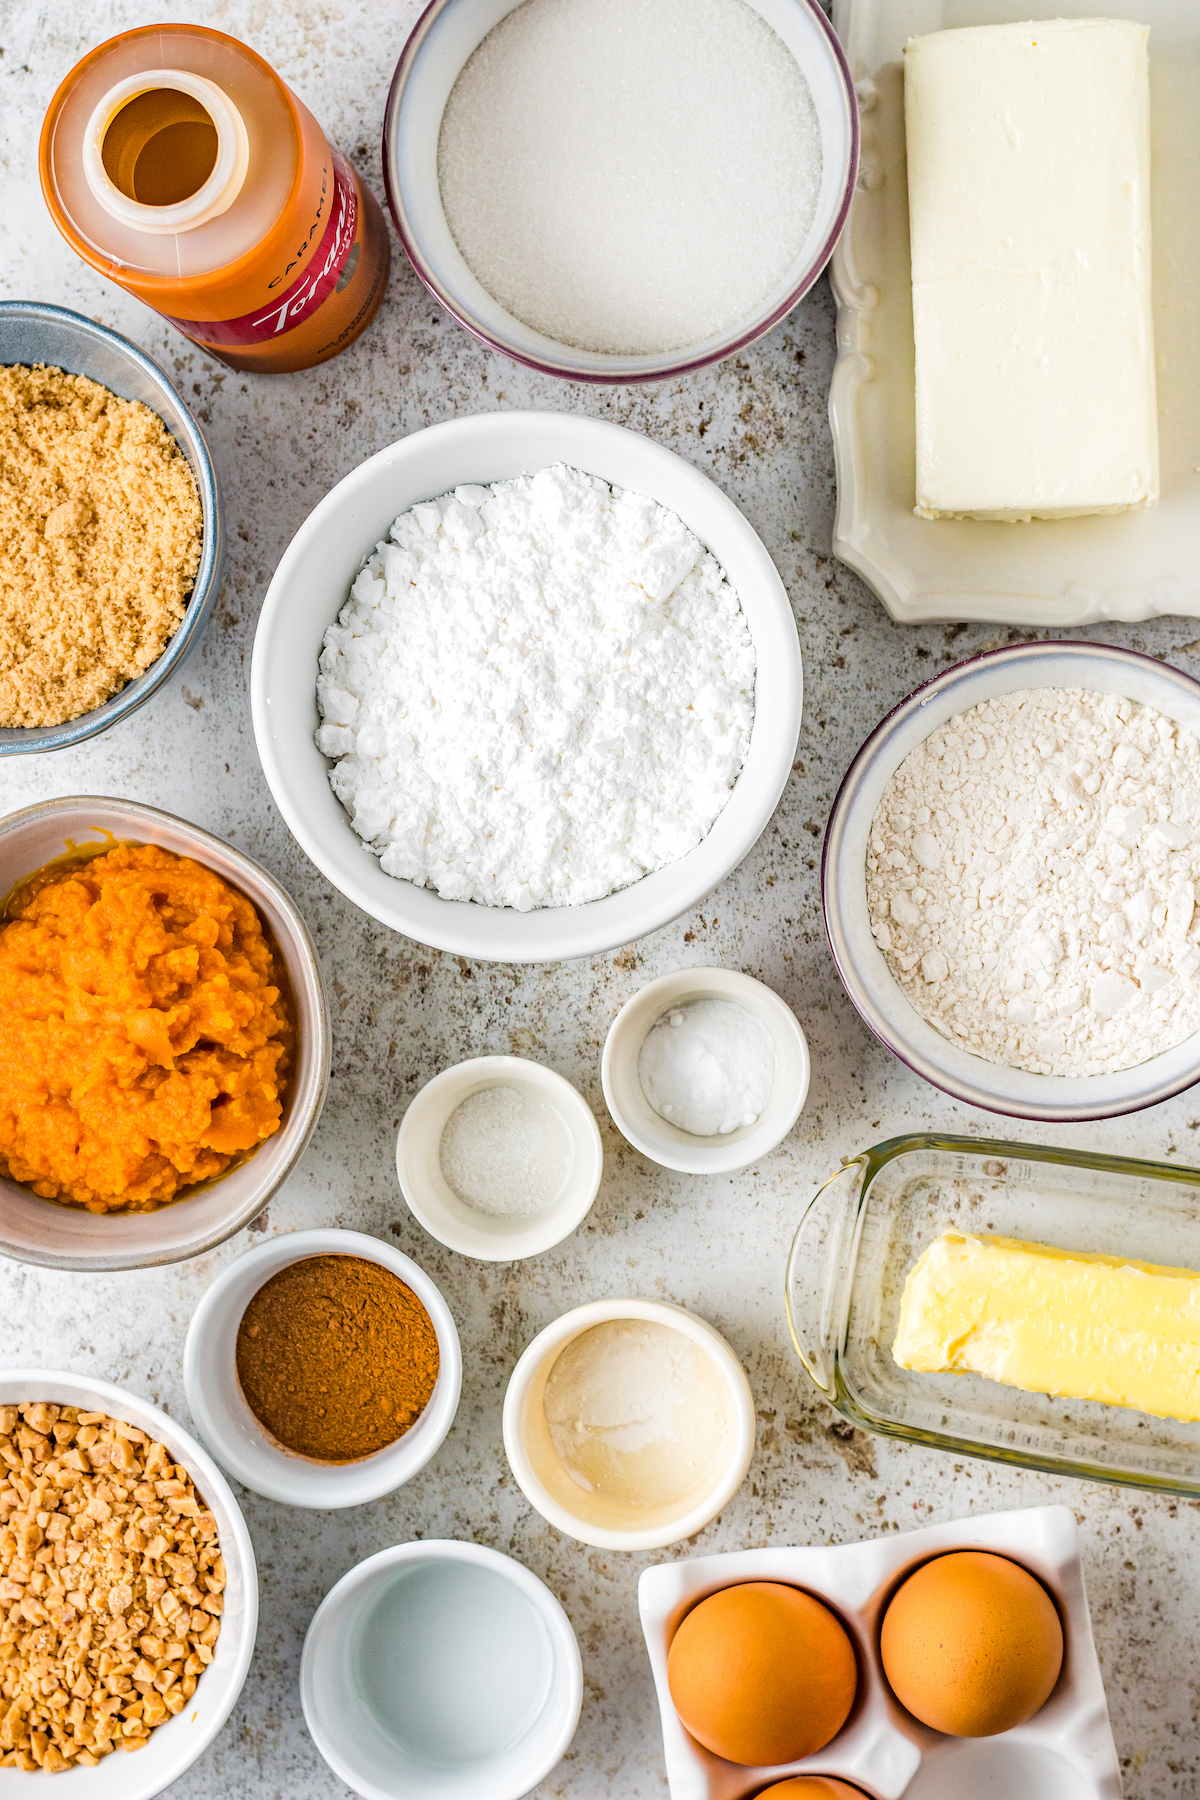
336 1357
111 1586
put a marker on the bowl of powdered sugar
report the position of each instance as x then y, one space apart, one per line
526 686
1010 875
620 190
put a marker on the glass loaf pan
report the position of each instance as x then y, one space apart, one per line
865 1228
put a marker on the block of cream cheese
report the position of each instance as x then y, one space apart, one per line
1029 206
1075 1324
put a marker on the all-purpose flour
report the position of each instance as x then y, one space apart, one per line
537 692
1031 877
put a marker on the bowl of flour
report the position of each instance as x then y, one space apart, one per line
526 686
1009 881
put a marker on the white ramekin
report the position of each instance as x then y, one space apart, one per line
665 1143
312 583
222 1413
68 1237
1099 668
371 1763
524 1425
433 1202
176 1744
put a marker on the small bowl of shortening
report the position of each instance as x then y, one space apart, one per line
323 1368
614 192
499 1158
629 1424
441 1670
705 1070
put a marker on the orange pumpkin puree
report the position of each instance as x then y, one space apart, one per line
143 1034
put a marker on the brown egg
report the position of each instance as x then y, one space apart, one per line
762 1673
812 1787
972 1644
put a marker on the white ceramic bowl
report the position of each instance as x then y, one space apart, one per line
433 1202
222 1413
445 36
67 1237
176 1744
370 1760
311 585
593 1519
1099 668
667 1144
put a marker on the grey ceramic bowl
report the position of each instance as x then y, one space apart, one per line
66 1237
32 332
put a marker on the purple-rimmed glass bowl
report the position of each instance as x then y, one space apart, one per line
1098 668
444 37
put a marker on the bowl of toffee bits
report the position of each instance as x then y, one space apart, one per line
128 1590
323 1368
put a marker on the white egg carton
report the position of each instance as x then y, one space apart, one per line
1066 1752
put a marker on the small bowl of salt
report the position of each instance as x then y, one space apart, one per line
499 1158
705 1070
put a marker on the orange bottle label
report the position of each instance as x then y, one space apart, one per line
338 205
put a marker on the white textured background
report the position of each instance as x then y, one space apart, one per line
757 426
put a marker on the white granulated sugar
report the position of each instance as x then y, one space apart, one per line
630 175
537 692
1031 877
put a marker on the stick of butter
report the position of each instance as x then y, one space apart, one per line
1029 208
1075 1324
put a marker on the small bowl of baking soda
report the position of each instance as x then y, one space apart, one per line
499 1158
705 1070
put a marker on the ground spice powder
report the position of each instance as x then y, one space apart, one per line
336 1357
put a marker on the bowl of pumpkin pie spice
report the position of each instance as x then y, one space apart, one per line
323 1368
110 528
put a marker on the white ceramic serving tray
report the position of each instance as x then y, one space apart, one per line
1065 1752
1050 572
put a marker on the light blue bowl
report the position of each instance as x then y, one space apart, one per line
32 332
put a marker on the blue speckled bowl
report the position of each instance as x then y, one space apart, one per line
32 332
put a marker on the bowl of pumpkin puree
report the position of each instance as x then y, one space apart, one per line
164 1036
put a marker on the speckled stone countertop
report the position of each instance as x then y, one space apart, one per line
757 426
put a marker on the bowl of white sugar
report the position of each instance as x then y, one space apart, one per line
526 686
620 190
1009 881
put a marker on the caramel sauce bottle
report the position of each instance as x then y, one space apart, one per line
176 162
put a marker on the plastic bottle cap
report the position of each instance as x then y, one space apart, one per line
223 184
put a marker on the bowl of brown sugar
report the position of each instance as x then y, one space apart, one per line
110 558
323 1368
